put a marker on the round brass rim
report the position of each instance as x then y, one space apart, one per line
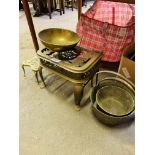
127 85
115 74
39 34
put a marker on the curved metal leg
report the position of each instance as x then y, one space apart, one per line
36 75
23 69
78 94
41 76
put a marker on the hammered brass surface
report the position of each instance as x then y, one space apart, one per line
58 39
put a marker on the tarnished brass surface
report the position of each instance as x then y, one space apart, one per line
78 71
76 65
118 90
58 39
109 119
78 93
115 100
35 66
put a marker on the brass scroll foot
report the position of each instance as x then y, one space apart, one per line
77 107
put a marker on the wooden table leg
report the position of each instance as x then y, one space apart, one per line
49 8
30 23
62 6
72 4
78 94
79 8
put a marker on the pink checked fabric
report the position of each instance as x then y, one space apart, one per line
107 27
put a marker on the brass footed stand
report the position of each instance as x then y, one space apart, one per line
34 64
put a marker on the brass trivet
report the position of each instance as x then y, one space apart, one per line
35 66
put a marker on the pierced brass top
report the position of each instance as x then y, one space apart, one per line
80 64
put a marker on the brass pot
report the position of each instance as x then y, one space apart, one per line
115 97
113 86
57 39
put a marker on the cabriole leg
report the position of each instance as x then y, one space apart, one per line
23 69
36 75
78 94
41 76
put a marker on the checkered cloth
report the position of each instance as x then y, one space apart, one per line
107 27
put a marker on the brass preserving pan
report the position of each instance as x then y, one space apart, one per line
109 82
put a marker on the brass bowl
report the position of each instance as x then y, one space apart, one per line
57 39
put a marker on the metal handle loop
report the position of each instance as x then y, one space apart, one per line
117 75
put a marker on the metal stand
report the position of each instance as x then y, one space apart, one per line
34 64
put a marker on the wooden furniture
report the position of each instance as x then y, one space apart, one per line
69 4
61 6
47 6
53 4
30 23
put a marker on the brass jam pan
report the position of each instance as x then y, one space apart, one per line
57 39
114 100
115 87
